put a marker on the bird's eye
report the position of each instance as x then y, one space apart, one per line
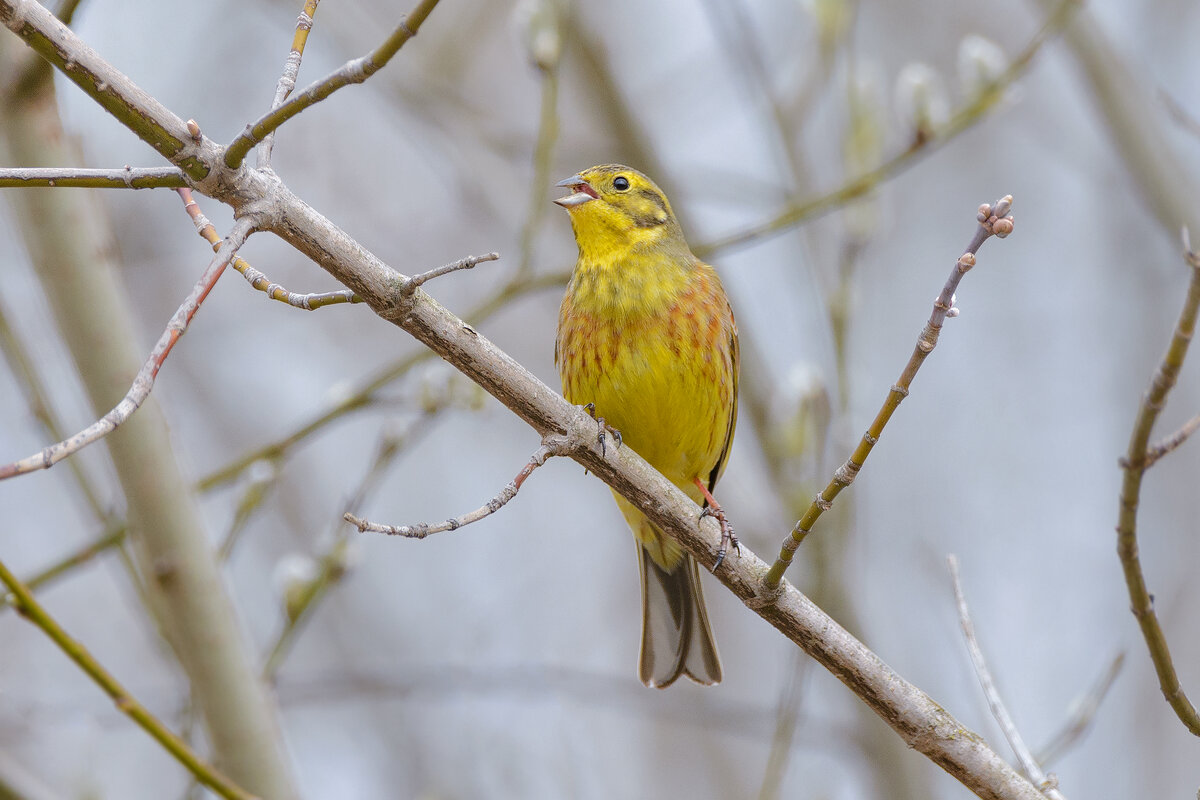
620 183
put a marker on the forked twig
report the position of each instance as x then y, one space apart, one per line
1134 465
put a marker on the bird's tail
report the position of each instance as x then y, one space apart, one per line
676 637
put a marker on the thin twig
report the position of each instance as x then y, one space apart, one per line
856 187
1084 713
1180 114
993 221
416 281
262 478
305 302
78 177
355 71
551 446
291 68
144 382
1134 466
125 702
1170 442
1029 765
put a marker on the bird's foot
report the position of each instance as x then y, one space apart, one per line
713 509
604 430
728 537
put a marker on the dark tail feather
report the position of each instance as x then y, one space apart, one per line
676 637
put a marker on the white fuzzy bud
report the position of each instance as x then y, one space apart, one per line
981 62
921 101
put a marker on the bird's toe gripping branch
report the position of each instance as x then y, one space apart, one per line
604 430
713 509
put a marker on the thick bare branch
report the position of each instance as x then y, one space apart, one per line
118 95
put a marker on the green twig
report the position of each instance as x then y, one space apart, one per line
207 774
1134 465
993 220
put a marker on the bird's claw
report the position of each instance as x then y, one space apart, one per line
728 537
604 430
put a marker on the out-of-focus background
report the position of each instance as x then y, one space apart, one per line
498 660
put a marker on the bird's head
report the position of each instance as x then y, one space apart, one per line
615 207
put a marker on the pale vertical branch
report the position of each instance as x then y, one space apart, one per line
96 323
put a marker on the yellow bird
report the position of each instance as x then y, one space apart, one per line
647 337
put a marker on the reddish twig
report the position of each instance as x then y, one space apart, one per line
144 382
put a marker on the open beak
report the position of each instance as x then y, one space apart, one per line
581 192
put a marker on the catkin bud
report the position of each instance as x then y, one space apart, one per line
921 100
293 579
981 62
803 412
540 25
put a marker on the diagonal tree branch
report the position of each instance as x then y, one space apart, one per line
126 703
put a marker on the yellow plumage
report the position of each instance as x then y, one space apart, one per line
646 334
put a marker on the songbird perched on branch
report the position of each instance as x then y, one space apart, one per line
646 337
